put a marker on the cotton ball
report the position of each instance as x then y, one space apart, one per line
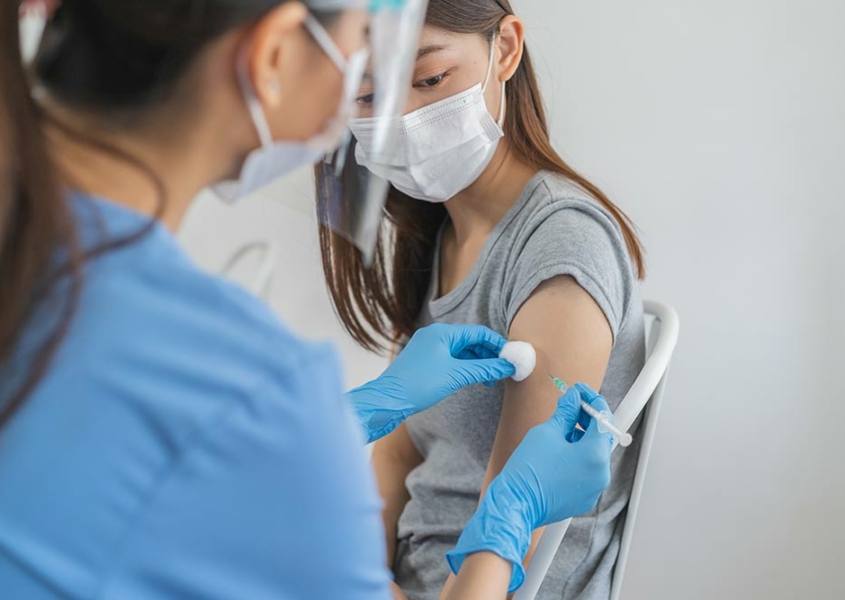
522 356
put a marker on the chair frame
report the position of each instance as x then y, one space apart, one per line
645 395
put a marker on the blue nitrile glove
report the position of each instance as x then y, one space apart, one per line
437 361
557 472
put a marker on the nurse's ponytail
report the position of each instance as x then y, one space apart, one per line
34 222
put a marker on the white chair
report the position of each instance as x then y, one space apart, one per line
647 390
261 281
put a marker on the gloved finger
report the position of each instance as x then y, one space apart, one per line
476 352
479 353
600 404
486 370
466 354
567 413
588 395
462 337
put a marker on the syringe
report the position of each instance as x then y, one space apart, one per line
603 418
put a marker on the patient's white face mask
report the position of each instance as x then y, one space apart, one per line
441 148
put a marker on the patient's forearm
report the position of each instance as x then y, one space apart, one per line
390 516
483 576
394 457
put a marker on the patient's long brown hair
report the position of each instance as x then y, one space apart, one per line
380 304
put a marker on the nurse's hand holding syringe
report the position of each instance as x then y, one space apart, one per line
556 472
603 418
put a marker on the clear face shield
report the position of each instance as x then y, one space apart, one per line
350 198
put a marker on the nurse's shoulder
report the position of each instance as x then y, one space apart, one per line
151 319
186 426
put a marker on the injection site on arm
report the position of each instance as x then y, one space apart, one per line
524 359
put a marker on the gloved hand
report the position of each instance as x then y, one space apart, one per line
557 472
437 361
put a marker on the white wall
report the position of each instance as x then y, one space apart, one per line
720 127
284 215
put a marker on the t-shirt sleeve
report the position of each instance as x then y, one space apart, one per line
576 238
273 498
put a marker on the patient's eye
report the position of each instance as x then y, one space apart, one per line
431 82
365 99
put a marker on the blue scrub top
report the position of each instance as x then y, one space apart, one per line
184 444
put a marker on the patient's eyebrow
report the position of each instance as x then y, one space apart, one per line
424 51
430 49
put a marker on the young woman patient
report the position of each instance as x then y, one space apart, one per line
489 225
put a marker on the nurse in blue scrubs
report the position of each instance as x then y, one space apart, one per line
162 434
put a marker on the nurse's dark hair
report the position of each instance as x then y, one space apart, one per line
113 58
380 305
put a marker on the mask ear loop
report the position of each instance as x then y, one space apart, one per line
256 110
326 43
501 119
351 68
490 63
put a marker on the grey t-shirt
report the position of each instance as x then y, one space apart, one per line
553 229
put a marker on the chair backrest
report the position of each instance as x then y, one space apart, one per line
262 279
646 390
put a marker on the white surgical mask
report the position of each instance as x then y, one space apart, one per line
275 159
441 149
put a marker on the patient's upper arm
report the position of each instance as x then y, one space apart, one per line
573 340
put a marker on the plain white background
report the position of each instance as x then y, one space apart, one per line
719 126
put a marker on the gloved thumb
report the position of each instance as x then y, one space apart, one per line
567 413
600 404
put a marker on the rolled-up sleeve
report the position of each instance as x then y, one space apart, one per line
572 237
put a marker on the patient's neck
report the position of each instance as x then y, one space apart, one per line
478 209
475 213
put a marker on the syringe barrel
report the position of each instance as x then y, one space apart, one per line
605 421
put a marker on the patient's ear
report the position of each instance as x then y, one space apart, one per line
511 46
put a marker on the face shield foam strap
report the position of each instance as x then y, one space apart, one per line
332 5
